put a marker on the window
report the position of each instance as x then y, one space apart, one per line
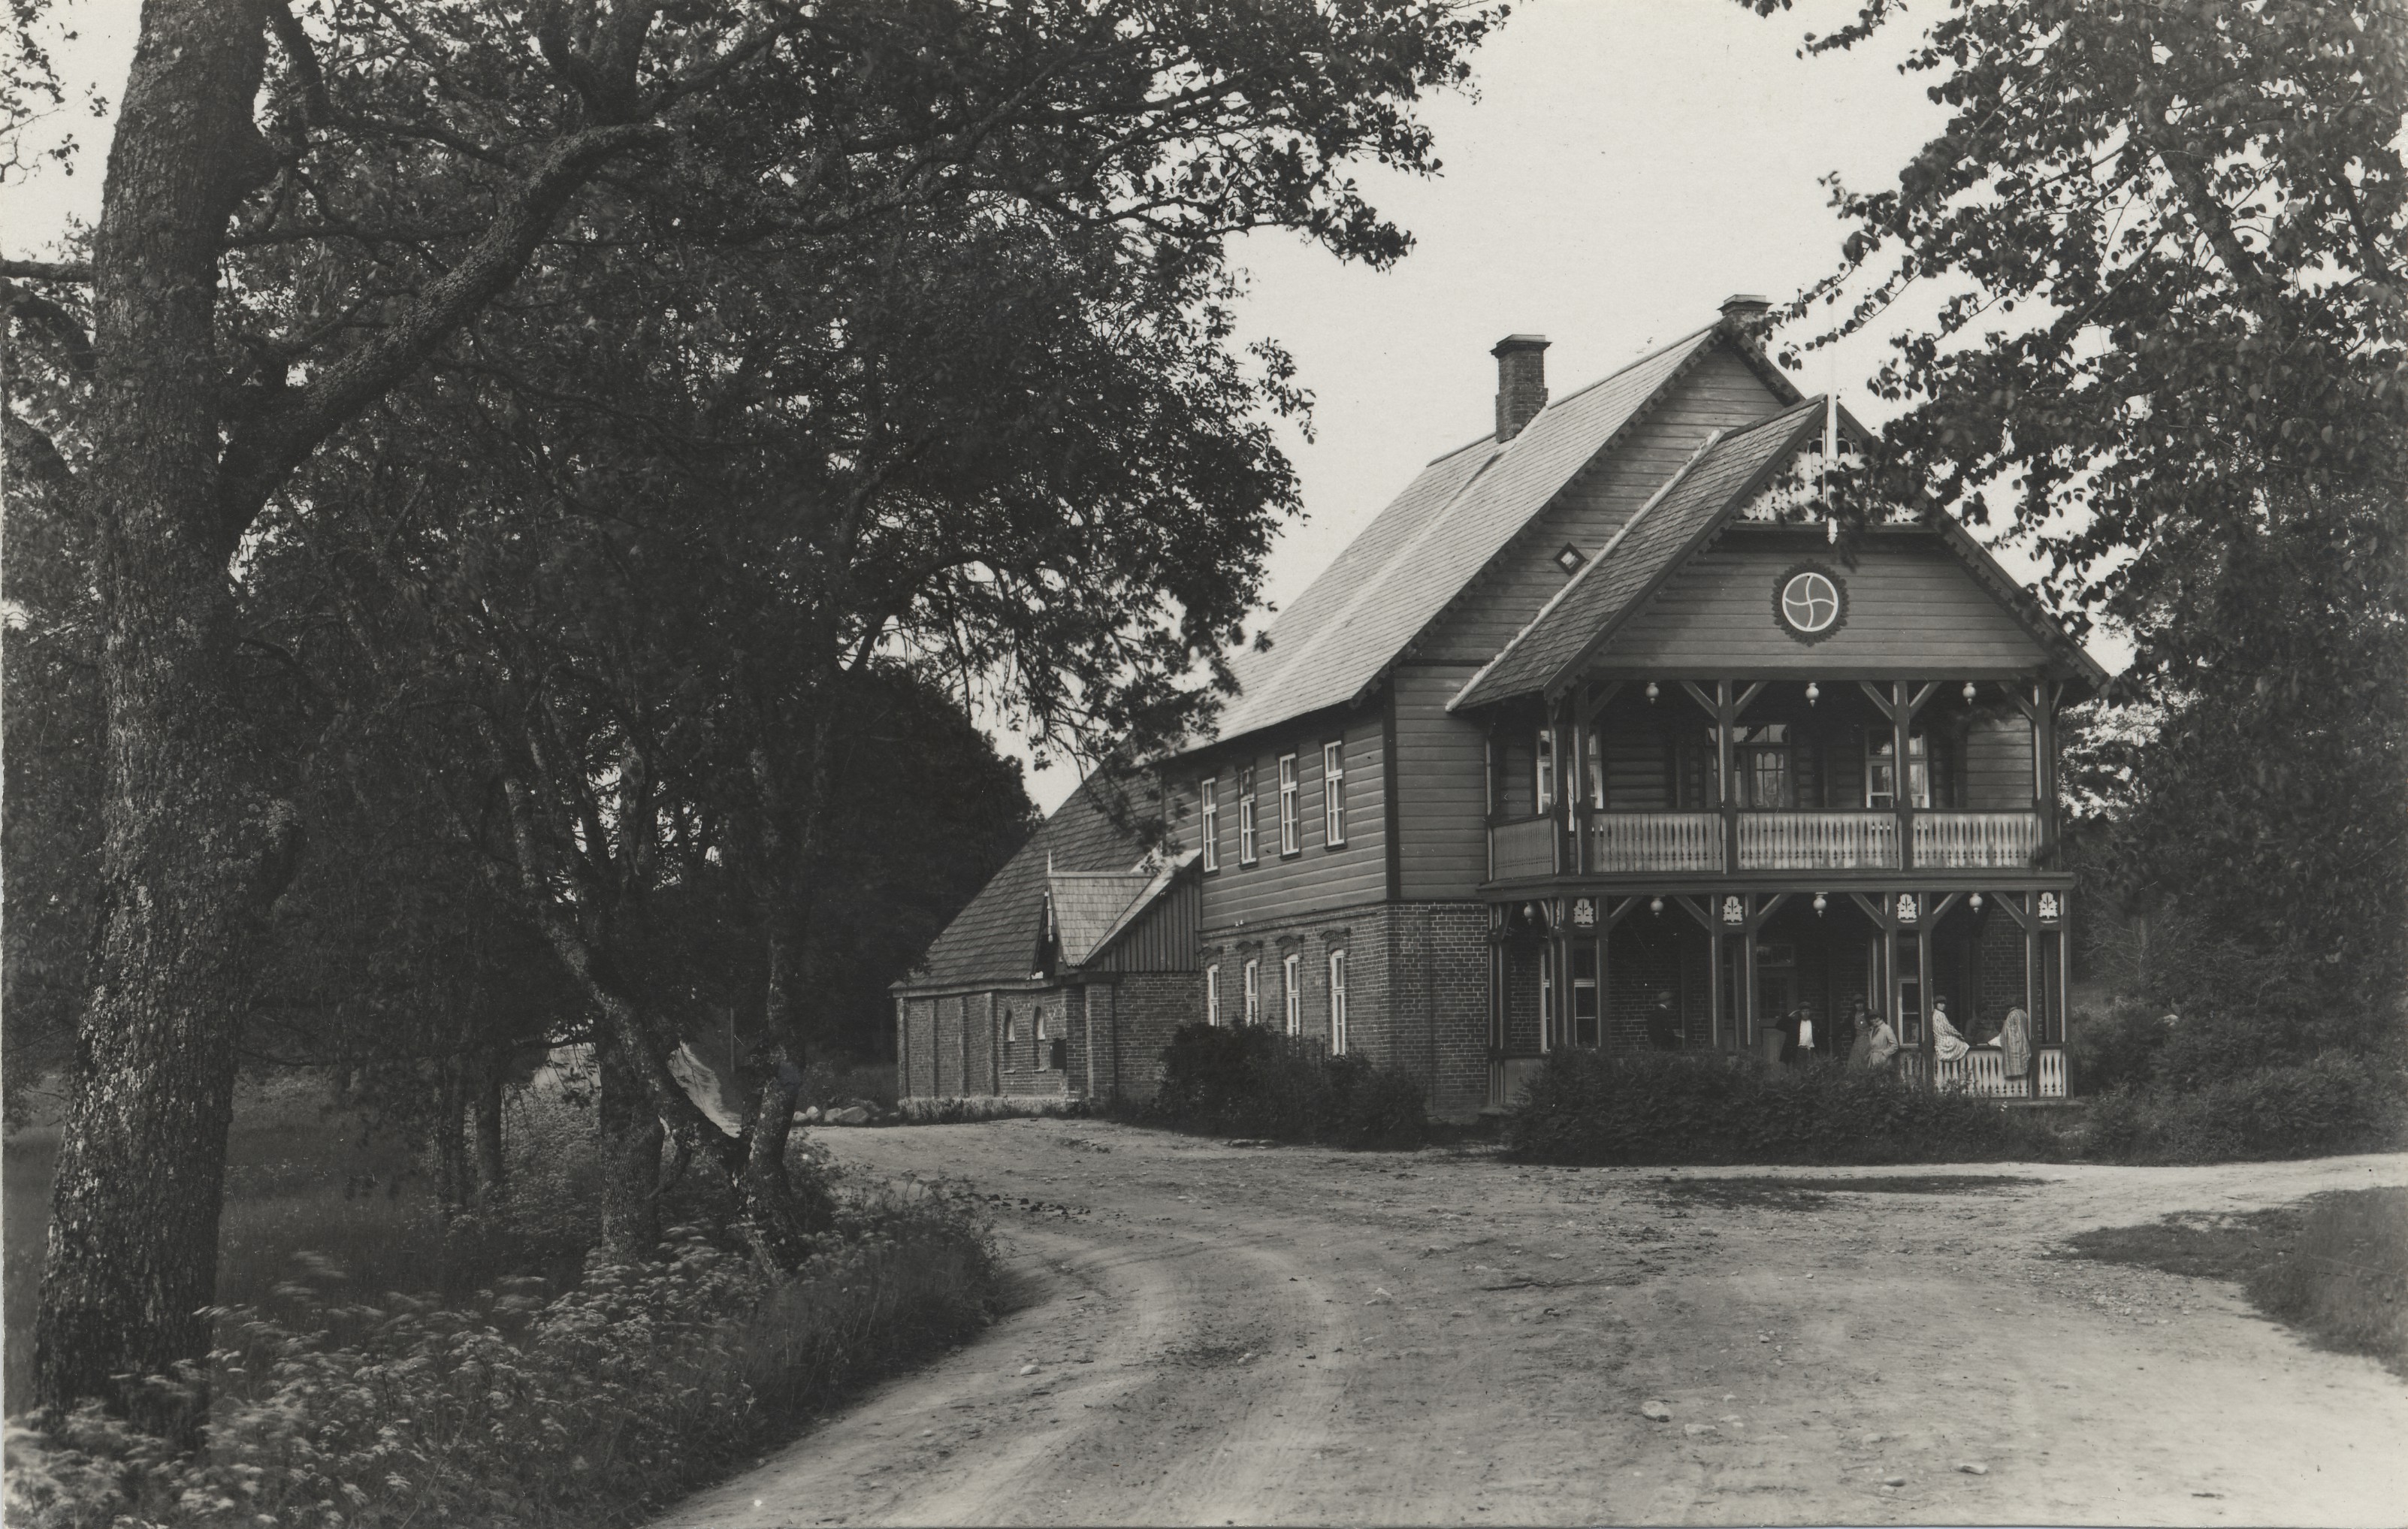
1041 1025
1213 994
1208 792
1546 997
1254 993
1333 793
1338 1002
1246 816
1881 770
1543 786
1010 1034
1291 836
1761 757
1585 1013
1593 755
1811 603
1292 994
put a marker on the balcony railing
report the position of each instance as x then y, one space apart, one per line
1525 848
2000 840
1818 841
1655 841
1983 1072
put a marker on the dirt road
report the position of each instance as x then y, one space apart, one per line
1210 1334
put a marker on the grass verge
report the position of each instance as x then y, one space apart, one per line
2334 1267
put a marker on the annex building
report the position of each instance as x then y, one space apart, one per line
1596 737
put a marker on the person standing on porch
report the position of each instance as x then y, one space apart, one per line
2013 1041
1876 1042
1664 1023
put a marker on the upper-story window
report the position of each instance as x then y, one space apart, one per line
1246 816
1291 834
1542 777
1881 770
1333 793
1292 993
1593 756
1208 794
1761 757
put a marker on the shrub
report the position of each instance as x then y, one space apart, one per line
590 1408
2116 1049
1249 1081
2340 1102
1593 1107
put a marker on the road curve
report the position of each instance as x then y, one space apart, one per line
1216 1335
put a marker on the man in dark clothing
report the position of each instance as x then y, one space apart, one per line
1664 1023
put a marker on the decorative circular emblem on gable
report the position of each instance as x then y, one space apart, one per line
1810 602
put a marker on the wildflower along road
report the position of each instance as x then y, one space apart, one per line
1210 1334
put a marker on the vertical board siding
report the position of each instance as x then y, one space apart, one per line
1999 765
1720 393
1442 789
1277 886
1162 939
1912 609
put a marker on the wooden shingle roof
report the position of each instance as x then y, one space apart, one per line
1341 634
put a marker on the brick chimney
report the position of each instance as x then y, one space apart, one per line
1745 312
1521 381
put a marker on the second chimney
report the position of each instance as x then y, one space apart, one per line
1521 381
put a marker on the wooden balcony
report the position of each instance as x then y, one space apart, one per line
1692 843
1655 841
1818 841
1991 840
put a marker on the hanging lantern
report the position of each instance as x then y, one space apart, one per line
1652 692
1969 693
1656 906
1813 693
1821 903
1974 901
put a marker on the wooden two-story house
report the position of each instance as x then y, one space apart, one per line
1599 736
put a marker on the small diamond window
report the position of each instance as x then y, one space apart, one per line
1569 559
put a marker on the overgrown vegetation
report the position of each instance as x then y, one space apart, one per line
2335 1266
1599 1108
2335 1103
593 1407
1249 1081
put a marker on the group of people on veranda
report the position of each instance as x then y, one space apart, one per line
1863 1039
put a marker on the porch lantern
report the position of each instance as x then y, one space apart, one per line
1969 693
1652 692
1813 693
1655 905
1974 901
1821 903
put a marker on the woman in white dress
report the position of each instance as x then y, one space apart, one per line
1946 1043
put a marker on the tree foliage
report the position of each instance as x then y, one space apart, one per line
2167 355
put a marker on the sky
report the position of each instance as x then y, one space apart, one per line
1623 166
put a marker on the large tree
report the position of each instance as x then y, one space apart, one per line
305 203
2169 245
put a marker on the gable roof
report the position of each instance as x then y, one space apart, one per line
1683 515
988 941
1650 545
1339 636
1085 907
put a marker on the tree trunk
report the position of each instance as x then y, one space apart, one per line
778 1216
631 1161
194 851
452 1187
492 1184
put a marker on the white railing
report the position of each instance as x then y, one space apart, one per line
1818 841
1996 839
1526 848
2052 1072
1655 841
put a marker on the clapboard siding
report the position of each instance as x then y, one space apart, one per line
1720 393
1319 877
1442 789
1999 765
1162 939
1912 609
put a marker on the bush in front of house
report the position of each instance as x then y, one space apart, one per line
1590 1107
1247 1080
593 1408
2336 1102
